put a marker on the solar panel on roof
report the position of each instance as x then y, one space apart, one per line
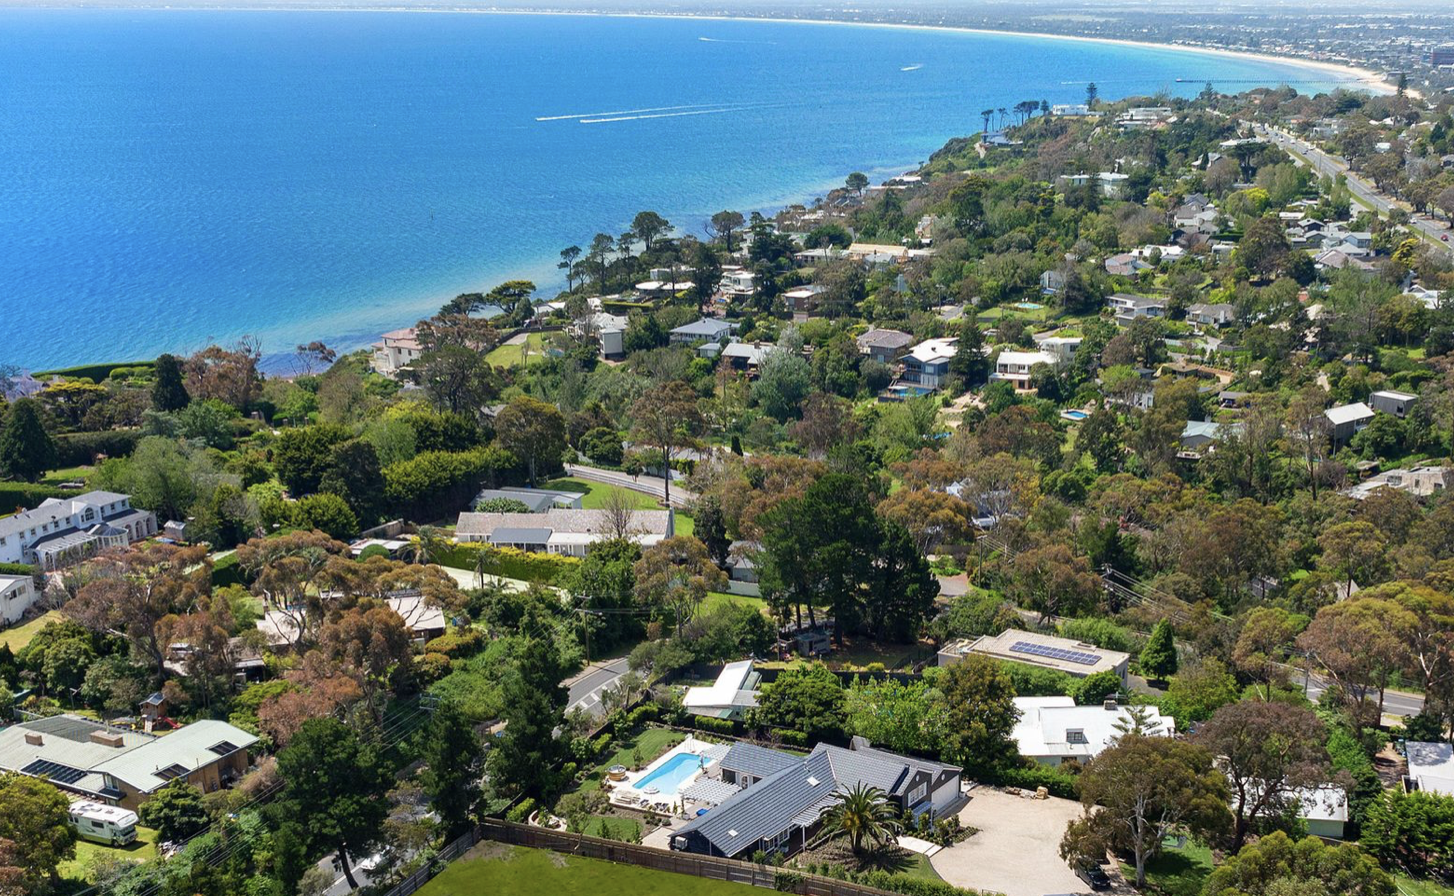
60 774
222 748
171 771
1055 653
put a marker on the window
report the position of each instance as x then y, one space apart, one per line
917 794
1075 736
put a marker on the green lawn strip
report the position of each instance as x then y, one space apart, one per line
1176 872
510 355
597 493
18 637
921 867
650 742
68 474
616 828
535 872
1412 886
718 598
143 850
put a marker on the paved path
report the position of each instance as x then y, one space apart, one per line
586 687
647 485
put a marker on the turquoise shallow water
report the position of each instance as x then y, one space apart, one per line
169 177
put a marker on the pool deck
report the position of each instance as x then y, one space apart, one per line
626 795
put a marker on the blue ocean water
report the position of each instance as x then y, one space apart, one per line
171 177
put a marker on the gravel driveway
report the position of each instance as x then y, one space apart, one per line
1017 849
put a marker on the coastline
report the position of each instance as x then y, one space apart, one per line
353 339
1365 78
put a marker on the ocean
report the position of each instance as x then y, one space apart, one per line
170 178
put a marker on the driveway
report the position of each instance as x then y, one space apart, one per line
1017 849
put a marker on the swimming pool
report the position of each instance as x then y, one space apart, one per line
1028 306
671 774
1074 415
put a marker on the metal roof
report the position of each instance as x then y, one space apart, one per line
520 535
757 761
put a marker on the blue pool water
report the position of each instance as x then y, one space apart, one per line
177 176
669 776
1074 415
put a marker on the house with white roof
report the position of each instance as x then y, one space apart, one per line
1348 420
927 364
119 766
17 596
1216 314
62 531
738 283
1075 658
1431 767
395 351
608 330
1391 401
1053 729
1127 307
1014 367
1323 809
729 697
1420 481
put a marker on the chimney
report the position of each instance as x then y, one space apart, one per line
1111 703
34 739
106 739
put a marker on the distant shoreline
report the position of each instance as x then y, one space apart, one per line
1366 78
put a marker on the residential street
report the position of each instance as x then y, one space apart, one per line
650 485
586 687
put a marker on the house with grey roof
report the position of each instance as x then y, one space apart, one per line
119 766
708 329
62 531
1348 420
1392 401
784 797
1127 307
884 345
1200 436
559 530
1215 314
537 500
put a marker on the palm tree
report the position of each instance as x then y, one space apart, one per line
862 813
427 546
484 557
986 113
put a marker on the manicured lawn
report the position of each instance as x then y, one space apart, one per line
1176 872
535 872
511 355
618 828
143 850
685 525
650 742
921 867
718 598
18 637
596 493
1412 886
69 474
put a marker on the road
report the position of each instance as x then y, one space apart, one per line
648 485
586 687
1395 703
1332 166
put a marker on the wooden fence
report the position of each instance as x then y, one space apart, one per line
435 865
732 870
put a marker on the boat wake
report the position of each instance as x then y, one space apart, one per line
575 115
912 68
663 115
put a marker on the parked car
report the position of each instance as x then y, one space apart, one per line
1093 875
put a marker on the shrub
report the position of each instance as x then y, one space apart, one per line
502 505
94 372
720 726
373 550
18 569
603 445
1057 782
1101 632
1094 688
460 642
520 812
431 667
77 449
910 886
1032 681
512 563
439 483
227 572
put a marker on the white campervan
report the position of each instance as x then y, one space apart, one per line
102 823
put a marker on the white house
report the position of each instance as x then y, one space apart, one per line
1054 729
1127 307
1419 481
1112 184
1216 314
61 531
17 595
707 329
1324 810
396 350
1014 367
1062 347
609 331
739 283
927 364
1075 658
729 697
1431 767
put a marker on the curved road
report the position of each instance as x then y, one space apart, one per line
647 485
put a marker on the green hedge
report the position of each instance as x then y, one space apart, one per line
25 495
512 563
911 886
18 569
76 449
227 572
437 484
1057 782
93 372
717 726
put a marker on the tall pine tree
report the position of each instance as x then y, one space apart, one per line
1158 657
26 449
169 393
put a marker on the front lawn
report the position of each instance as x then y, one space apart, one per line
19 636
496 868
716 599
1412 886
1176 872
531 351
144 849
597 493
